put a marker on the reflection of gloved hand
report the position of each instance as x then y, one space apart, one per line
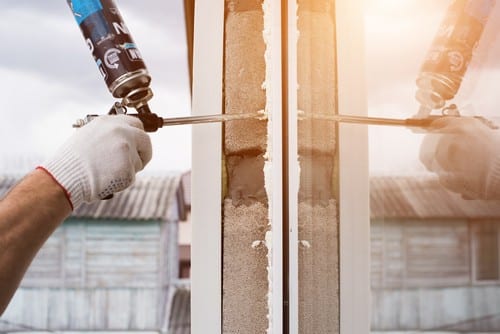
466 156
101 158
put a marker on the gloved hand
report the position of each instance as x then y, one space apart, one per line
100 158
465 153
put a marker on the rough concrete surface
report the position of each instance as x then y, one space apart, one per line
245 224
318 268
317 80
243 78
243 5
245 282
246 179
316 173
322 6
318 219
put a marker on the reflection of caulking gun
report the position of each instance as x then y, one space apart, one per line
451 52
352 119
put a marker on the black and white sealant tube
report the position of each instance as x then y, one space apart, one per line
115 53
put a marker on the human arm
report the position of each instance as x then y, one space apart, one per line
28 216
98 160
465 154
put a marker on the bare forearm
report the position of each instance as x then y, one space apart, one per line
96 161
28 216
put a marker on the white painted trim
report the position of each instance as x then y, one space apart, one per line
354 199
272 35
293 169
206 268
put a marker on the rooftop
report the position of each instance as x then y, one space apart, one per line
149 198
422 196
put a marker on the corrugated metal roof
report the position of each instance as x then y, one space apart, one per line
149 198
422 196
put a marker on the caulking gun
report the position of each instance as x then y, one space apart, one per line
124 71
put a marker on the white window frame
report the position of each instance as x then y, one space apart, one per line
206 267
206 263
206 305
354 198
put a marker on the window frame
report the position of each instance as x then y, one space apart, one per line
354 235
354 199
206 266
473 250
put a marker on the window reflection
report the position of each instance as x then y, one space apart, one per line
435 249
317 205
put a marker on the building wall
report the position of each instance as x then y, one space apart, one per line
445 309
420 253
422 275
99 275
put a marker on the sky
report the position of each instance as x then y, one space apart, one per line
398 36
48 78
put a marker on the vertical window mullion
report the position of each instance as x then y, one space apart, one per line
353 167
206 299
293 168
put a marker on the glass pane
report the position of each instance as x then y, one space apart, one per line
434 208
317 203
486 253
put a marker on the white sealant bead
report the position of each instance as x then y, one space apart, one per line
305 243
256 243
79 123
267 35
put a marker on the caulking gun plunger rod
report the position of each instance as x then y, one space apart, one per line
411 122
407 122
336 118
217 118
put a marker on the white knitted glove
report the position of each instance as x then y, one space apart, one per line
100 158
466 156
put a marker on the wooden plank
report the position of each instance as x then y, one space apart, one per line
409 308
119 309
441 307
393 255
98 300
136 262
15 311
437 254
145 303
35 308
376 255
78 304
122 280
46 268
58 314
